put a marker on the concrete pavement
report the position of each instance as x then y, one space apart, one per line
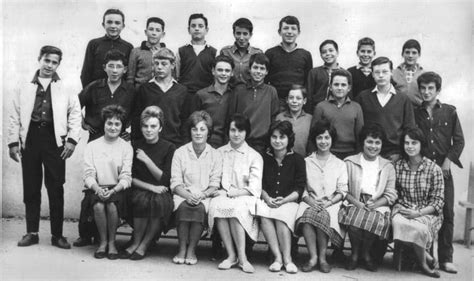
45 262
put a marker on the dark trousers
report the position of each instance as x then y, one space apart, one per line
445 234
41 152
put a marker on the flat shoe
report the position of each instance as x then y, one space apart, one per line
190 261
124 254
324 267
275 267
178 260
448 267
112 256
291 268
100 254
28 240
247 267
136 256
227 264
307 267
434 274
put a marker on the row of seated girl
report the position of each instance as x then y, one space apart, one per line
237 192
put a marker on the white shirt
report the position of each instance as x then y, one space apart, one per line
369 175
384 98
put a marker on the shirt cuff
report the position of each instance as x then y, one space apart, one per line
72 141
13 144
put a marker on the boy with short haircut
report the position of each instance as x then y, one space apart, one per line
406 74
163 91
344 114
241 50
140 66
113 22
288 64
300 120
215 99
258 101
440 124
106 91
385 106
194 60
319 77
362 72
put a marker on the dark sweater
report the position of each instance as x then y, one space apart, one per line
93 67
360 82
287 68
175 104
396 116
196 70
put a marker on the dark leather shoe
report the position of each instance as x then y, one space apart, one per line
324 267
370 266
112 256
307 267
100 254
124 254
28 240
136 256
351 265
60 242
81 242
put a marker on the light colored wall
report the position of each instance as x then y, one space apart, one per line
442 27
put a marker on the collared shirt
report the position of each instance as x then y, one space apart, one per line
93 67
421 188
285 178
384 98
195 173
347 119
217 105
97 95
323 181
301 127
241 61
242 168
443 131
365 69
42 109
259 103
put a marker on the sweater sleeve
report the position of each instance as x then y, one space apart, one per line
436 190
255 175
300 176
390 192
216 172
132 66
176 171
90 173
409 115
88 65
125 175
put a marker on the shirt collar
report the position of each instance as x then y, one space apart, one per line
391 91
146 46
190 149
287 113
281 45
35 80
153 80
332 99
413 68
103 83
191 44
438 104
106 37
242 149
332 69
269 151
365 67
251 86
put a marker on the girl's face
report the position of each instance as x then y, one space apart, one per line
372 147
412 147
199 133
151 129
278 141
236 136
323 142
112 128
329 54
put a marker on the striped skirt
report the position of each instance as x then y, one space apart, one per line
319 218
372 221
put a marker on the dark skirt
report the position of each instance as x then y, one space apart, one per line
116 198
189 213
320 219
147 204
372 221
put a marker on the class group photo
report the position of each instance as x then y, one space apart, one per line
234 139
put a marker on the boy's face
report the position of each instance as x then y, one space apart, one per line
382 74
365 53
428 91
162 68
295 100
340 87
48 64
154 32
197 29
113 25
242 37
258 72
410 56
289 33
222 72
115 70
329 54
